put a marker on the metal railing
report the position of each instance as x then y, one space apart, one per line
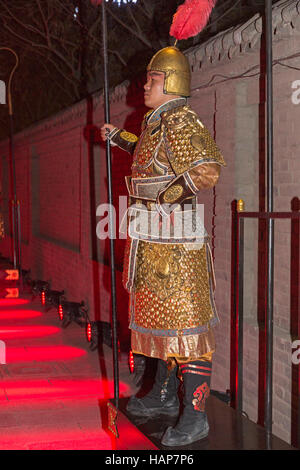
265 332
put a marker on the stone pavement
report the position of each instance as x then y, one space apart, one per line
53 389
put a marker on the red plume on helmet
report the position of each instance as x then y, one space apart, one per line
190 18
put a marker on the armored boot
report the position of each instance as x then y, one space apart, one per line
162 399
192 425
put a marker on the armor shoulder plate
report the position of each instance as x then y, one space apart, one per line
188 142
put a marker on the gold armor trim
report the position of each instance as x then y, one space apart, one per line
128 136
188 141
176 67
173 193
207 357
191 346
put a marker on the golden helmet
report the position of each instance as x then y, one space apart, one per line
177 69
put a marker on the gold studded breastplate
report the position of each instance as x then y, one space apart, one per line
150 158
146 151
152 169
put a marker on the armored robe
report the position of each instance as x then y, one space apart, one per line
169 273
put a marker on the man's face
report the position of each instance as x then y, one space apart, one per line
154 95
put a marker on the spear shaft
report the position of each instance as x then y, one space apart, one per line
112 229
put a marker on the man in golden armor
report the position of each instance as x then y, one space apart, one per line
169 273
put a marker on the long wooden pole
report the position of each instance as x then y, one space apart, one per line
112 229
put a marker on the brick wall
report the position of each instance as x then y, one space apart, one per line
61 180
233 110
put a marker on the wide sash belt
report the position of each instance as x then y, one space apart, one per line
143 222
147 187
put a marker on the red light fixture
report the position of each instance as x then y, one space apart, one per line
131 362
12 275
12 293
43 298
89 332
60 312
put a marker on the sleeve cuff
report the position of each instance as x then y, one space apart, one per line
175 194
123 139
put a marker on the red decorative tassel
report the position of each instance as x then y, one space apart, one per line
190 18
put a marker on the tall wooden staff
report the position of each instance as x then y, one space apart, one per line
112 228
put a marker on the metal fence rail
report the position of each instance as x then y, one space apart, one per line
265 332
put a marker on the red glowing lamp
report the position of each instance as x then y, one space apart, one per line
89 332
131 362
60 312
12 293
12 274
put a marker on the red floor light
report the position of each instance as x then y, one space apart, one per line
13 314
13 301
60 312
33 331
131 362
89 332
43 353
39 388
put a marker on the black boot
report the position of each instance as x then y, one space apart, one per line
192 425
162 399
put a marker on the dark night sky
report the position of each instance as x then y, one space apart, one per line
60 47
